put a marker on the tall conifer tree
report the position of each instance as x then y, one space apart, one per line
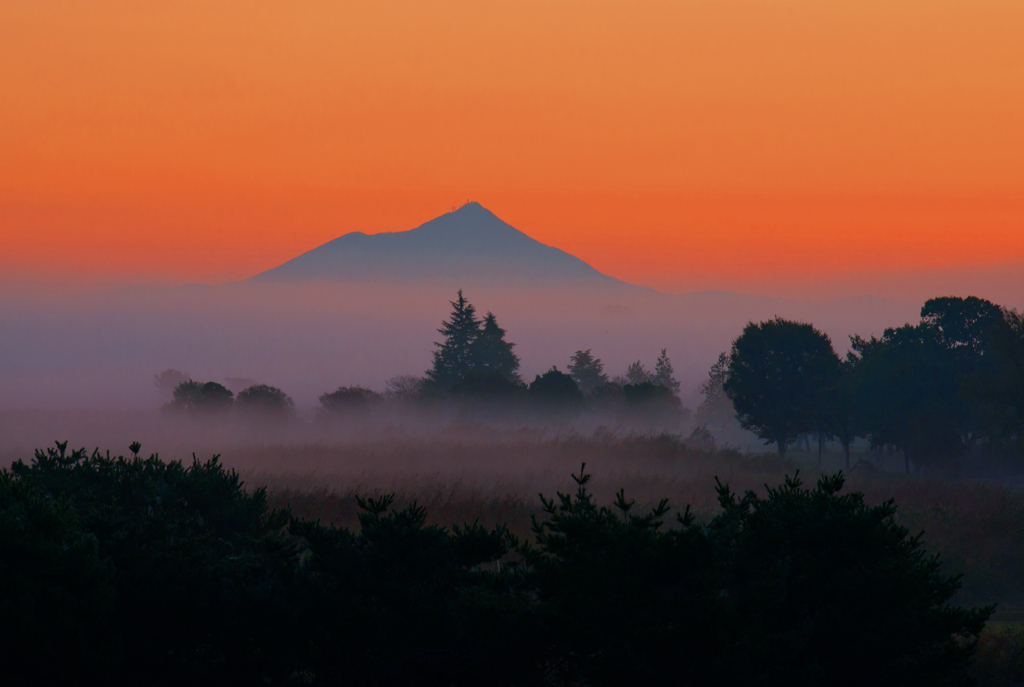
664 374
455 356
587 371
492 354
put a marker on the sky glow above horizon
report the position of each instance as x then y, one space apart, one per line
787 147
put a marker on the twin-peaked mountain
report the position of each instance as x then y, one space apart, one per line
468 245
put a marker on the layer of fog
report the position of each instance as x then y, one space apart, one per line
101 350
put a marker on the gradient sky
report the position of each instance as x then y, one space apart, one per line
794 147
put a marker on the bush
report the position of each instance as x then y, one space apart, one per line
57 592
652 402
197 398
346 401
198 563
1000 659
488 386
780 590
555 389
146 572
265 402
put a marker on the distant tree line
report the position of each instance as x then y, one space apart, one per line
133 571
947 388
214 400
474 362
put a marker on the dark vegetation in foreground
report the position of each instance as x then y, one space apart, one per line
139 572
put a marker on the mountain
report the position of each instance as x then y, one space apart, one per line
470 244
362 309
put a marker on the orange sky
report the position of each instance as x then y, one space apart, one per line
769 145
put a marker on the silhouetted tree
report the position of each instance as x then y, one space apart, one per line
1000 386
404 388
654 402
265 402
348 399
145 572
909 382
664 374
636 374
964 327
556 389
239 384
587 371
825 576
198 398
847 406
777 371
491 354
780 590
607 397
828 372
168 380
491 386
716 410
454 356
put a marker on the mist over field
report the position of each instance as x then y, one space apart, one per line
100 351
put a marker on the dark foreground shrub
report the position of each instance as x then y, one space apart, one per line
55 591
1000 658
140 572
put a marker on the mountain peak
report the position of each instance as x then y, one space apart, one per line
469 244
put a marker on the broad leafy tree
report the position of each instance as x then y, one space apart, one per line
168 380
964 328
909 384
846 408
1001 385
918 384
778 373
198 398
962 325
266 402
346 402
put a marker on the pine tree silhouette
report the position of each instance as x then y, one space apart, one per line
587 370
492 354
454 357
664 374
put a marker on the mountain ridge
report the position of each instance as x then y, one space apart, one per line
470 243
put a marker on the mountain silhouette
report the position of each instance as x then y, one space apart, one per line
470 244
